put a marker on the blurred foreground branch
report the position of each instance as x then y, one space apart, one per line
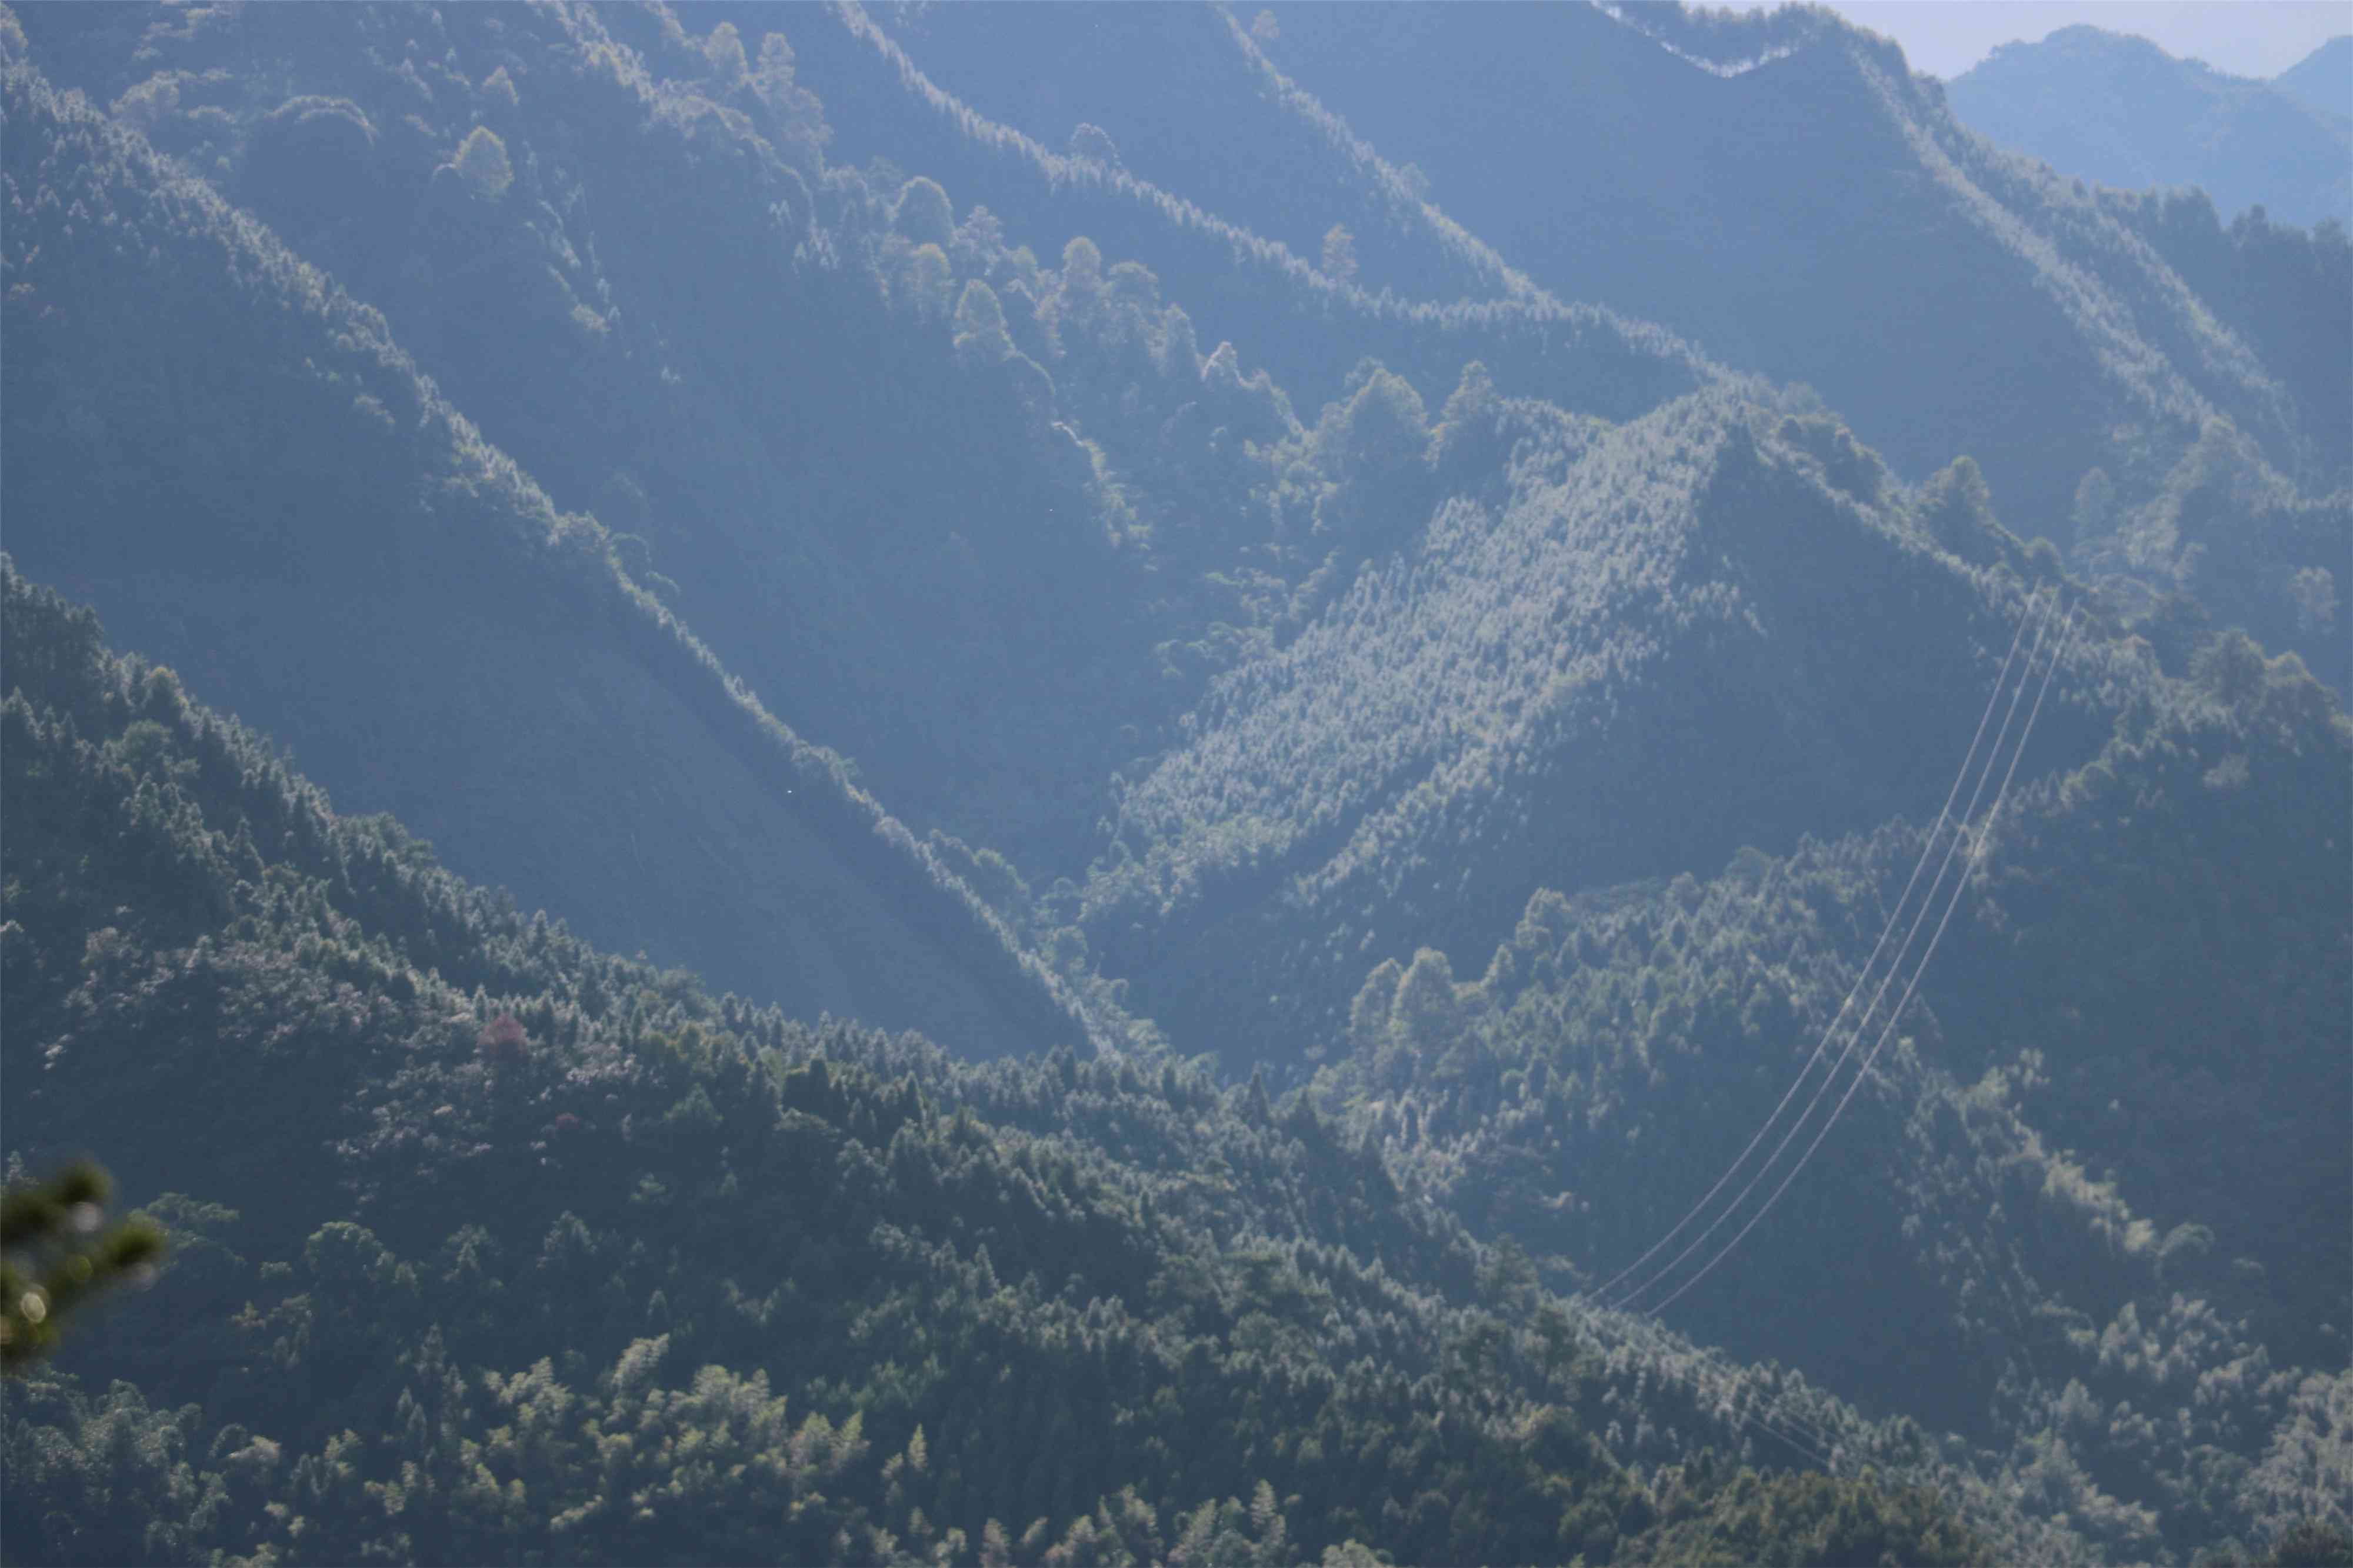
57 1252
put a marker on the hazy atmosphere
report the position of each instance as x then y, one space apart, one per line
1134 783
2243 38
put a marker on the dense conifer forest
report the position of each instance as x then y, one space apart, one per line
912 783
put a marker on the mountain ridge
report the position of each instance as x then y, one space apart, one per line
2119 109
1354 780
2323 79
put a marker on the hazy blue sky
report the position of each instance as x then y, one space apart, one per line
2246 38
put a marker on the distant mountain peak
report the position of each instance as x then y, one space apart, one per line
2323 79
2120 110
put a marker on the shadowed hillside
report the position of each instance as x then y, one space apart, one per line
1332 638
309 525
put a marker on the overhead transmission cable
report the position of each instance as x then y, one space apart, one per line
1641 1325
1863 1024
1862 979
1642 1335
1992 815
1821 1448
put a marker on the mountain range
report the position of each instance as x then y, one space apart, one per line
1242 723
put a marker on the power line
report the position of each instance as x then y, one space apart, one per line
1992 760
1992 815
1860 979
1664 1356
1638 1326
2039 615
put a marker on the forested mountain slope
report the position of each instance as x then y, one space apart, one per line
759 485
693 394
211 435
1947 298
2119 109
1195 128
1543 691
2097 1154
855 488
1544 686
563 1257
1249 287
1782 190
